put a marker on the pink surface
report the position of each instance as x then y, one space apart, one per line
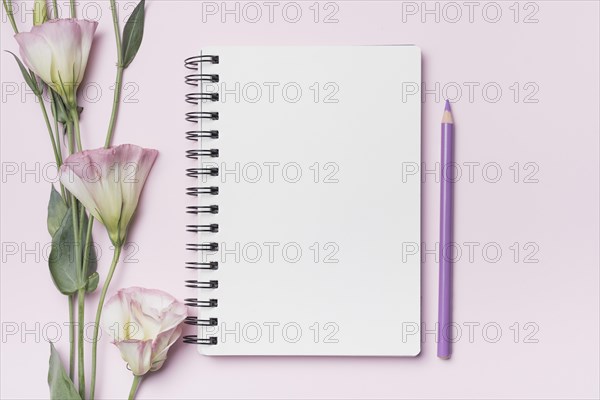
547 204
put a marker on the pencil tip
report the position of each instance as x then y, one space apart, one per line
447 117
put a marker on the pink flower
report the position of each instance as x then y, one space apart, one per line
57 51
108 182
145 324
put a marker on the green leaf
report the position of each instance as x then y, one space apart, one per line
57 208
62 262
93 260
28 78
61 386
92 282
59 110
133 33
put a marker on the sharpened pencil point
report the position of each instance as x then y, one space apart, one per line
447 108
447 117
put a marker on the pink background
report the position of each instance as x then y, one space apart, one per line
555 129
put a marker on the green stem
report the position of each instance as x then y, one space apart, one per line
80 301
71 337
134 386
111 272
54 4
115 107
70 198
72 6
57 133
119 78
57 157
80 341
81 292
70 137
56 130
75 116
9 12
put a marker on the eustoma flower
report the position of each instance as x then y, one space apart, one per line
57 51
145 324
108 182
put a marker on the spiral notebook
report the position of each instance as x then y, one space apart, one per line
305 208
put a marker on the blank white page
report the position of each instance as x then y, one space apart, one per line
314 212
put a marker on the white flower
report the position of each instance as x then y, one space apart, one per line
146 323
57 51
108 182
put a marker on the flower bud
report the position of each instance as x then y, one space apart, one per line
40 12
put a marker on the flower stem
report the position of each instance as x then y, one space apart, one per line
56 130
81 292
80 344
70 137
55 5
80 301
75 116
9 12
57 156
71 337
119 78
111 272
134 386
115 107
72 6
57 133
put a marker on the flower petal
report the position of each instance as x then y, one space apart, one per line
116 316
161 346
150 311
64 38
137 354
78 187
149 326
88 28
92 177
136 164
36 54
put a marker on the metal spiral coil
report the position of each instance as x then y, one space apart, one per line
193 62
212 209
193 79
202 322
201 303
195 135
196 172
210 246
195 116
192 283
202 265
197 153
193 339
203 228
198 190
197 98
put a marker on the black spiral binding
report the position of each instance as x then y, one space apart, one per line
196 79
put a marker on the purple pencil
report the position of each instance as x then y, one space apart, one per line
446 205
